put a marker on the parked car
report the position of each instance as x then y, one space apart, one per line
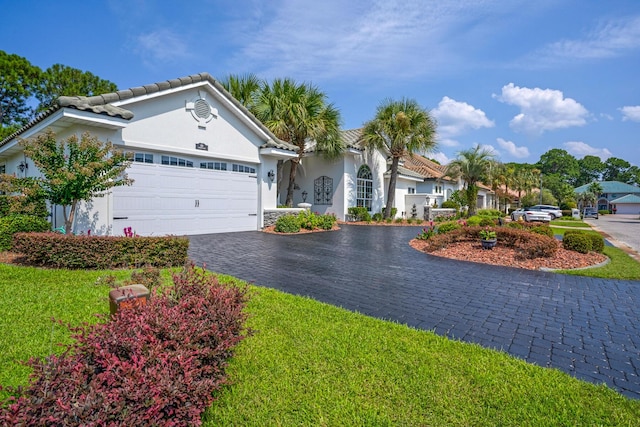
528 214
590 213
554 211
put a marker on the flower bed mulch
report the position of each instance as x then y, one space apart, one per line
504 256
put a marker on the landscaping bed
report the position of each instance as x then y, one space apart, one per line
505 256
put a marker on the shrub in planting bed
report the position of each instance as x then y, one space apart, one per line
578 242
102 252
528 245
584 243
157 364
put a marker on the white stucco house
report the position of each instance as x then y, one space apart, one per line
204 164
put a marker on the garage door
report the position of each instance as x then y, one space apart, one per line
185 200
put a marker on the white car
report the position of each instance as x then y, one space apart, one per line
529 214
554 211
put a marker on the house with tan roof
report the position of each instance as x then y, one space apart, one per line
202 163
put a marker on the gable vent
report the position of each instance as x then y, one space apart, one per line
202 109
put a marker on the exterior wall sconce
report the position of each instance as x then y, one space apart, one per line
23 166
304 197
271 175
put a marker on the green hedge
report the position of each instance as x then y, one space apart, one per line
12 224
100 252
596 241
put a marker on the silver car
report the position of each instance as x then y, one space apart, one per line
529 214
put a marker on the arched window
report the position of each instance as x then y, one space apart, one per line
364 187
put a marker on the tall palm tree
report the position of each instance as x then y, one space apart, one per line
401 127
298 114
472 167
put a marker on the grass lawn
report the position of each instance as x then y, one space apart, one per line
574 223
309 363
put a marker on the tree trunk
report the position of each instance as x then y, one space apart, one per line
68 220
391 192
472 199
292 181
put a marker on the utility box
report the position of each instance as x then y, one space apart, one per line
127 297
575 213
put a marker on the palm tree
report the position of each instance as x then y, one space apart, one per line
472 166
401 127
244 88
298 114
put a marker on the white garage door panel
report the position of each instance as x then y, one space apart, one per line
174 200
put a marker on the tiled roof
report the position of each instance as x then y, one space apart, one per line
611 187
425 167
102 104
406 172
351 138
629 198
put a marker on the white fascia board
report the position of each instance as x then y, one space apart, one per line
278 153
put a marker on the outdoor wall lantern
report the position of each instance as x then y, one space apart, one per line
304 196
271 175
428 199
23 166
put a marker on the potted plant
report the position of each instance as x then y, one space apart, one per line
488 238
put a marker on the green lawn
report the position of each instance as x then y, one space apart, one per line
309 363
574 223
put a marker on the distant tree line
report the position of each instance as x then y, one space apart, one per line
26 90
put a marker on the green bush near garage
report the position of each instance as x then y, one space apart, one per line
100 252
307 220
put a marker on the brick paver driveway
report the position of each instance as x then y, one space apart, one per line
589 328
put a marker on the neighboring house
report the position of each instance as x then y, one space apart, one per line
204 164
616 196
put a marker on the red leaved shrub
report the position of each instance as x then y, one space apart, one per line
102 252
154 365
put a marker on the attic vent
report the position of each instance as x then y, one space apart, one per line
202 109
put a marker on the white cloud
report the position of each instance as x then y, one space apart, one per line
388 38
513 149
631 113
490 149
455 118
447 142
581 149
542 109
162 46
440 157
609 39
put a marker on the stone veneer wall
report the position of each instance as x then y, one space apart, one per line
272 215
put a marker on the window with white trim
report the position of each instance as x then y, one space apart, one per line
176 161
243 168
143 157
411 190
219 166
364 185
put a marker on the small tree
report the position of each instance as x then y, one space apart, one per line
75 170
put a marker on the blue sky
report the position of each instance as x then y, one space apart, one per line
522 77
